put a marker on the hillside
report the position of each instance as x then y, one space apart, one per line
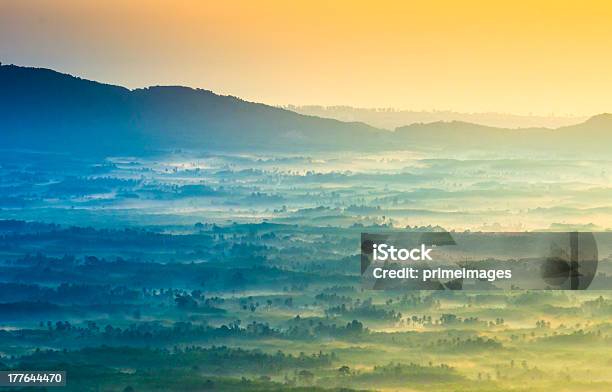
41 109
591 136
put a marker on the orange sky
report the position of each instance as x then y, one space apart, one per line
516 56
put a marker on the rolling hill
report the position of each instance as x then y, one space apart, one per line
41 109
44 109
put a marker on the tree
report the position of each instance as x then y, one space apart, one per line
344 370
186 302
306 376
354 326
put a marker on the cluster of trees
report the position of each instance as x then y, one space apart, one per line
464 345
417 300
154 332
401 374
208 360
196 300
450 319
333 298
365 310
542 324
309 328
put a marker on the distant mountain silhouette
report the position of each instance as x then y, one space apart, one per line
390 118
42 109
591 136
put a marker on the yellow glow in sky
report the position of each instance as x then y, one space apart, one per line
516 56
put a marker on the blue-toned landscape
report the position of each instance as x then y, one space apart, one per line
172 239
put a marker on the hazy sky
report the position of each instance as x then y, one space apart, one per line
516 56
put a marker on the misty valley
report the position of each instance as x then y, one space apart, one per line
229 271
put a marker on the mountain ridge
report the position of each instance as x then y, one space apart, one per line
51 105
45 109
391 118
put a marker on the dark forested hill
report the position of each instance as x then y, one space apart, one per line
44 109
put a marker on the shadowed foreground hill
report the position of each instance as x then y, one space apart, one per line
42 109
